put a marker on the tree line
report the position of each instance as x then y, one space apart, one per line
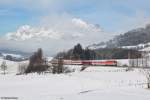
79 53
39 64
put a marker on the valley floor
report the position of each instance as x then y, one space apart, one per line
95 83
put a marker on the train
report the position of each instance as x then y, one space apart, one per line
88 62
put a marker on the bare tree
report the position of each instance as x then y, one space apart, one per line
4 67
146 73
22 68
37 63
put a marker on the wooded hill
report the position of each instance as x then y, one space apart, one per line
78 53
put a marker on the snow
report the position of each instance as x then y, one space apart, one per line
141 47
13 55
49 58
122 62
146 49
97 46
94 83
12 66
134 46
129 47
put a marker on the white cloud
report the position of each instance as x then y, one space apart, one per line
80 23
55 33
27 32
84 25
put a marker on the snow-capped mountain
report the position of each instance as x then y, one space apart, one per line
13 55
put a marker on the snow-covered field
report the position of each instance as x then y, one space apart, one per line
12 66
94 83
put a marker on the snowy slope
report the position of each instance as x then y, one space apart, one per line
97 46
146 49
13 55
12 66
141 47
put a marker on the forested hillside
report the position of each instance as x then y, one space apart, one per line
130 38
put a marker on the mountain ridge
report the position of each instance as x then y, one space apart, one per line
134 39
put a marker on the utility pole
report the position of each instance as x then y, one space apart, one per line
130 61
60 65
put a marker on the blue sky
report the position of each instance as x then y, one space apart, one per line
109 14
76 21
